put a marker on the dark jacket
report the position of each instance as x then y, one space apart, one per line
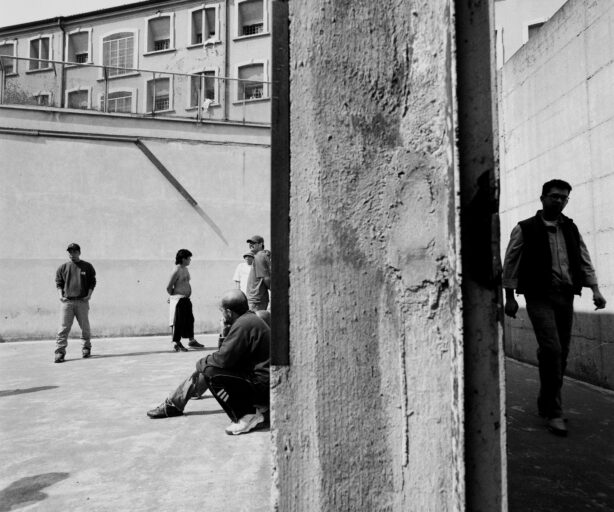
65 274
535 269
245 349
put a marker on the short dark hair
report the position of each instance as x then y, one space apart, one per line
181 255
549 185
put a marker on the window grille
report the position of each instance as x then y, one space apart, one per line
250 30
251 86
163 44
78 47
118 102
42 100
251 17
81 58
78 99
209 91
160 87
118 53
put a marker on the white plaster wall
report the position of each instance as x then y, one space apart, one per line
557 121
128 219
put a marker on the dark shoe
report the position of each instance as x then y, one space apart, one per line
164 410
179 347
86 352
59 358
557 427
195 344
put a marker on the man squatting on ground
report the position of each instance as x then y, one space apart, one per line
181 318
75 281
548 262
259 280
237 374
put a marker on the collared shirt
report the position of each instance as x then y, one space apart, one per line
561 275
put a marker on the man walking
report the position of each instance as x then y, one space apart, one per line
75 281
259 280
237 374
548 262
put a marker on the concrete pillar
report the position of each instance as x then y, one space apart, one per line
368 412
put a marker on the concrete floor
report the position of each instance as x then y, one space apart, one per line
75 436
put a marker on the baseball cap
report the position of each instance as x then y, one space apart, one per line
73 247
256 239
250 254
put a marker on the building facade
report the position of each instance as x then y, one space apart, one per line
177 58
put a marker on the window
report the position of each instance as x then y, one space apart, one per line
43 99
204 25
250 17
209 88
78 47
40 48
159 33
9 65
78 99
119 101
251 86
158 95
118 53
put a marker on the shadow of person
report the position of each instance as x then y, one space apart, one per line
27 490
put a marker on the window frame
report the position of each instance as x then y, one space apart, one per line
44 93
135 55
6 42
89 46
79 89
40 37
133 100
171 32
171 95
218 25
266 93
265 20
216 89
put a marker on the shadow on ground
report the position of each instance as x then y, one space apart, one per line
12 392
27 491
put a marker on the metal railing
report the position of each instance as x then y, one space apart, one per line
128 91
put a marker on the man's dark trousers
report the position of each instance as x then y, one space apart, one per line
552 317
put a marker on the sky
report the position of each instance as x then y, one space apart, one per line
14 12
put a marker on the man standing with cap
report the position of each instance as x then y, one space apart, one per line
242 271
75 281
259 280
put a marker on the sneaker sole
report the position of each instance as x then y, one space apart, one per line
251 426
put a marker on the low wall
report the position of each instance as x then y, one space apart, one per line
128 218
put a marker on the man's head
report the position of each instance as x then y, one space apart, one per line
233 305
183 257
555 194
249 258
256 243
74 252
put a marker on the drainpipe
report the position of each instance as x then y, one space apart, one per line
62 71
226 61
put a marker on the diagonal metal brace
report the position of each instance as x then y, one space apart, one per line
180 188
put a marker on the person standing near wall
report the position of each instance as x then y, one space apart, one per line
75 281
259 281
181 317
547 261
242 272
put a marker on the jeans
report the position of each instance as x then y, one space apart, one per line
552 317
69 310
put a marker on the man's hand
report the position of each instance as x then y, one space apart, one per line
511 307
598 300
63 299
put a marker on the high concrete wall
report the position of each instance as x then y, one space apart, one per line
369 414
129 220
557 106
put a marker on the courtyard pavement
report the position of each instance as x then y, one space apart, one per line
75 436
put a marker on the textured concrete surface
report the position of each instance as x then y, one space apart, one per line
554 474
75 436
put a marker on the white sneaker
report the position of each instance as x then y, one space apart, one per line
245 424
